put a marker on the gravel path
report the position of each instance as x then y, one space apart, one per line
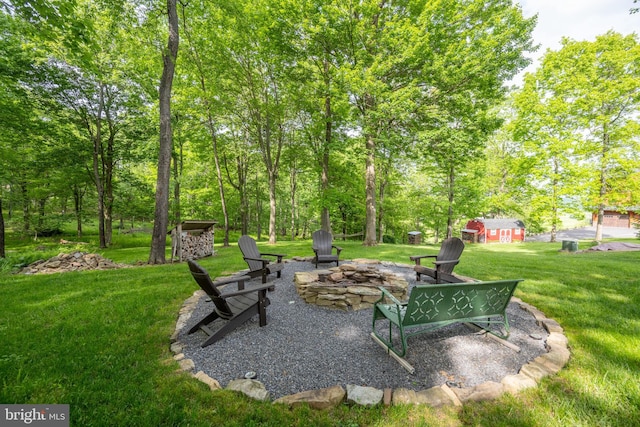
586 233
305 347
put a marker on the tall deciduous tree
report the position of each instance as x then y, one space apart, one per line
550 139
321 96
508 194
468 50
28 133
161 215
582 106
381 91
204 48
92 80
607 100
258 60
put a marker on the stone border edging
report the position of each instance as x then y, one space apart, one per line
530 375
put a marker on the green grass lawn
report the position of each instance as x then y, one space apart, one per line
99 340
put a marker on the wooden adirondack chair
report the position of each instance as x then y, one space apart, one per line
447 258
233 307
258 265
323 248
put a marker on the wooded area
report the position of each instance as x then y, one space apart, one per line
287 116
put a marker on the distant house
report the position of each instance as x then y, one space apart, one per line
481 230
613 217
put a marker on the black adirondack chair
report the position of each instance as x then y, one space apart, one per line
258 264
447 258
233 306
323 248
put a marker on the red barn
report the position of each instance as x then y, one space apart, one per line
482 230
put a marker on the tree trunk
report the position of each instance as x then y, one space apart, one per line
294 184
370 189
177 174
108 215
41 205
97 177
603 184
161 215
258 210
100 191
325 219
343 214
451 180
272 208
108 164
381 210
216 159
77 201
26 214
242 170
554 200
2 251
599 223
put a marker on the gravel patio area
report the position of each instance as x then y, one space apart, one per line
305 347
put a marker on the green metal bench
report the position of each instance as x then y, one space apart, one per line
432 307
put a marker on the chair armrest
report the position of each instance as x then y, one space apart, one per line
417 258
232 279
247 290
264 261
279 256
337 248
450 261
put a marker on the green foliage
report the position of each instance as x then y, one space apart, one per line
287 93
577 121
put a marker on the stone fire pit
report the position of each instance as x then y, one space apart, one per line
351 286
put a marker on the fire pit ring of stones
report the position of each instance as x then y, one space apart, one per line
348 286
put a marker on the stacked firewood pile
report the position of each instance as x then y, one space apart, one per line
196 246
75 261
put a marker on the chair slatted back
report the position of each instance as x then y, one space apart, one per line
451 249
203 280
322 241
249 249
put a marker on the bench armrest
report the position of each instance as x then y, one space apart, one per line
387 294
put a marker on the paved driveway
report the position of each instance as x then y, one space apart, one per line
586 233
